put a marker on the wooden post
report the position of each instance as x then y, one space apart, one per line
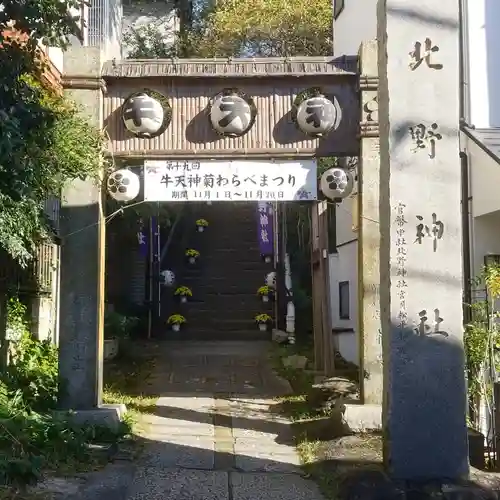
323 352
317 289
326 317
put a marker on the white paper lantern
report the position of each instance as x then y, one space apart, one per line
336 183
231 115
143 115
167 278
318 115
123 185
271 280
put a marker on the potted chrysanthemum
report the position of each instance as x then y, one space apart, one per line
183 292
263 320
192 255
201 224
265 292
176 320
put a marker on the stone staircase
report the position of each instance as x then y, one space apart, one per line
226 278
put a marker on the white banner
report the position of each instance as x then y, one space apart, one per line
245 180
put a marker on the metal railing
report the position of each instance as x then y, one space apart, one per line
99 15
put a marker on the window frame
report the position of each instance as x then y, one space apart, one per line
344 302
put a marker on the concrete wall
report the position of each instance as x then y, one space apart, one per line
356 23
344 268
485 179
139 15
485 239
483 17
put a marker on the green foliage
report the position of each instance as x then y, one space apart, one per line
264 28
16 318
482 338
239 28
202 222
264 290
118 325
33 437
191 252
33 374
43 141
176 319
263 318
184 291
148 42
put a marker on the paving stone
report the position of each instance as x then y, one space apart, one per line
266 461
188 452
194 403
214 427
273 487
179 484
167 426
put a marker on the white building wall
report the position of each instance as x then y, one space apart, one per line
356 22
483 18
343 268
484 180
485 240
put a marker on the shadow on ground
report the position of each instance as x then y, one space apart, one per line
214 433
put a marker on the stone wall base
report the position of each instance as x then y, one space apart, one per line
107 415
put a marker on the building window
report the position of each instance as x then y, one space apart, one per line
344 312
338 7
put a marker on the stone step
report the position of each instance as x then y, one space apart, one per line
226 314
221 280
223 324
230 301
236 249
238 267
202 289
214 334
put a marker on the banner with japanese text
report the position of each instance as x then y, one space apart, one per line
265 233
215 180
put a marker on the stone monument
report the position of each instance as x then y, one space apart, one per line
82 263
421 269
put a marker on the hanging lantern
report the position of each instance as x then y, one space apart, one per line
271 280
167 278
146 114
315 114
232 113
337 183
123 185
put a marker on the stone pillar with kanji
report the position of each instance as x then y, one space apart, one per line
421 267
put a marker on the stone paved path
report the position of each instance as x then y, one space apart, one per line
214 435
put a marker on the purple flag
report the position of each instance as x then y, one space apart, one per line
265 228
142 240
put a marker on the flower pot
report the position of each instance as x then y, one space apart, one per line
267 259
176 327
184 299
265 298
201 229
192 260
209 203
111 347
262 327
